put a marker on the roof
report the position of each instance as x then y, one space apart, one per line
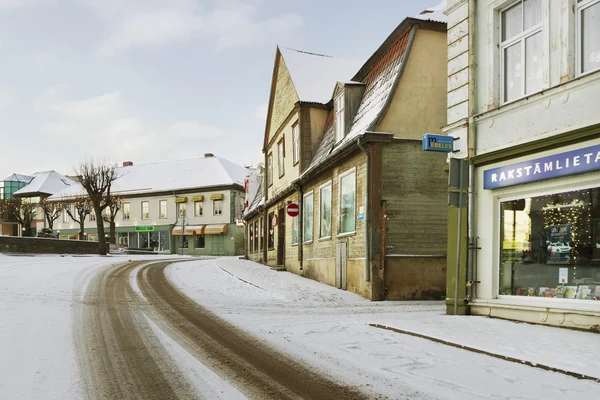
19 178
257 200
315 75
435 13
45 182
193 173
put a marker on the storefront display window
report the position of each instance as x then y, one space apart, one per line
550 246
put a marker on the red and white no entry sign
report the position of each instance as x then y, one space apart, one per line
293 210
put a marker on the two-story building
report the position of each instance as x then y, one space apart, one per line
367 206
524 77
182 207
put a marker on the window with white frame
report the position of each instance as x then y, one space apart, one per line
181 208
325 211
92 215
162 205
197 209
66 217
270 169
281 156
307 221
217 207
588 35
145 210
296 142
126 211
339 118
521 49
348 202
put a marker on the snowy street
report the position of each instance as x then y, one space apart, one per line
116 327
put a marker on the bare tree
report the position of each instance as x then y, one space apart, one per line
110 214
22 210
97 179
52 210
78 208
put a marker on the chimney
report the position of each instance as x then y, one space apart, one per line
208 155
127 163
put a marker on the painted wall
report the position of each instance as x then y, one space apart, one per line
284 98
291 170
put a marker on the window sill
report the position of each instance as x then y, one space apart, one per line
324 239
294 244
307 242
346 234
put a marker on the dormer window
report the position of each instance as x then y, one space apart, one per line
339 118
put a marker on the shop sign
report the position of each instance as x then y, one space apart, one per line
198 198
147 228
180 199
441 143
216 197
554 166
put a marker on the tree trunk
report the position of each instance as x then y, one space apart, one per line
81 228
100 226
50 222
113 233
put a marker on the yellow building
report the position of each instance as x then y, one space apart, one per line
343 143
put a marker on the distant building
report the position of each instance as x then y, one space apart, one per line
183 207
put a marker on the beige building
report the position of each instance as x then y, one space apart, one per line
343 143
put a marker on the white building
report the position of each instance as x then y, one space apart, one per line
523 89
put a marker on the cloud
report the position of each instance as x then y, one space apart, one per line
103 107
136 24
43 61
9 5
6 97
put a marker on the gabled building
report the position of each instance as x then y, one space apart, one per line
524 80
371 205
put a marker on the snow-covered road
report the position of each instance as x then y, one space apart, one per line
326 328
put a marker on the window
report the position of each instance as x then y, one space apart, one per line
296 143
200 242
294 230
217 207
588 37
197 208
65 215
126 210
270 169
339 118
271 243
348 202
107 212
183 242
181 208
251 238
162 205
307 221
550 246
145 210
325 212
281 156
256 236
521 49
92 215
260 234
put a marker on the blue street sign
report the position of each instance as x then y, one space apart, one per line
441 143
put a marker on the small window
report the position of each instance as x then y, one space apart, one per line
339 118
251 238
145 210
197 208
281 156
348 202
296 143
521 49
270 169
65 215
588 35
92 215
325 212
163 209
271 232
181 209
307 221
200 242
126 211
217 207
260 234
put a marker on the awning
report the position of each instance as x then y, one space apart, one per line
189 230
215 229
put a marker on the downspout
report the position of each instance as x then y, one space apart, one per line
471 140
367 211
300 217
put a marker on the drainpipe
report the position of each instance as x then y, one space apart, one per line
471 139
367 210
300 214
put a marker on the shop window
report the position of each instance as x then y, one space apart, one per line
348 202
218 207
521 49
325 211
181 208
145 210
588 35
307 221
197 208
296 143
183 242
123 239
200 242
271 243
126 211
162 205
550 246
295 230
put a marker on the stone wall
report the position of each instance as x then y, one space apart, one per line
28 245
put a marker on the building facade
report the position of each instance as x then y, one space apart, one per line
523 81
180 207
371 205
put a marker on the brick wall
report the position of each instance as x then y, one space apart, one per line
12 244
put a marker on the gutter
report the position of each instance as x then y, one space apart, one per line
471 132
300 225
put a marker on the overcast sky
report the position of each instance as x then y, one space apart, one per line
155 80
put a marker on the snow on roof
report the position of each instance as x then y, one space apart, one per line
19 178
435 13
47 182
315 75
170 176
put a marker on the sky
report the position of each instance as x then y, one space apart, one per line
159 80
